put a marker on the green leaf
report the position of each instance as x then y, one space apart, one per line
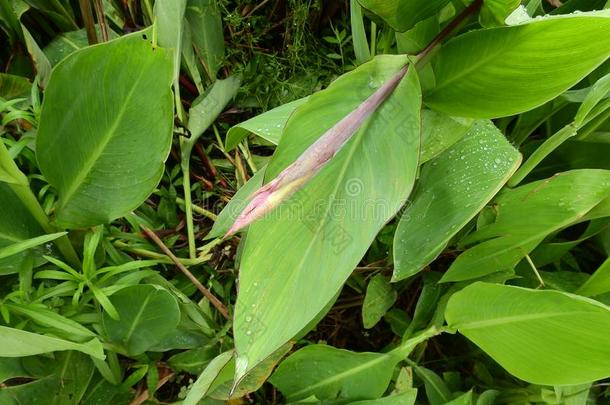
70 375
503 71
451 190
16 224
147 314
464 399
268 125
19 343
24 245
169 15
204 382
361 43
599 91
206 109
439 132
598 283
193 361
402 15
331 373
41 63
494 12
436 389
561 338
91 144
205 24
525 216
70 42
328 372
12 86
380 296
313 235
404 398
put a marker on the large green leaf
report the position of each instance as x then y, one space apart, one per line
503 71
104 151
525 216
451 189
19 343
544 337
205 24
403 14
317 237
147 315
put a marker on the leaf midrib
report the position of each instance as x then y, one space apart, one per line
518 318
341 375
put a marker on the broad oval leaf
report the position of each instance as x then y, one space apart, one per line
402 15
503 71
524 217
317 237
450 191
543 337
331 373
147 315
104 151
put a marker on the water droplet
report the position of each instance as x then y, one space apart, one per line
248 319
248 333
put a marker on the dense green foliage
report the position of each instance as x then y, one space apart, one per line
426 186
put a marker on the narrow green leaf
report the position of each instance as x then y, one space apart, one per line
562 338
598 283
24 245
379 297
503 71
205 24
525 216
90 144
169 15
451 190
204 382
361 44
207 108
19 343
268 125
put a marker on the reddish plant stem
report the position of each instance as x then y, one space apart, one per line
455 23
206 293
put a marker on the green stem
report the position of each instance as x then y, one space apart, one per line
197 209
188 204
22 190
27 197
424 55
158 256
542 152
592 124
